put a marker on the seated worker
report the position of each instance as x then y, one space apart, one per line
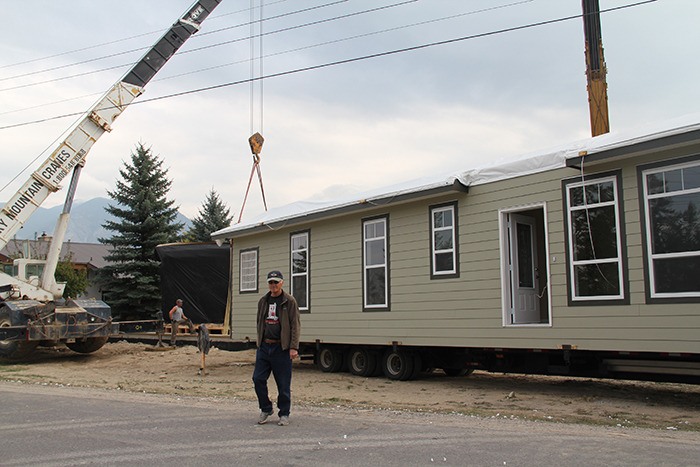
177 316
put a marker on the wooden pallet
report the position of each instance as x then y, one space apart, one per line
184 329
215 328
181 329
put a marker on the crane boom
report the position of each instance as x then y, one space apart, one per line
98 120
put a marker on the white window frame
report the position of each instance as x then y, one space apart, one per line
295 275
618 260
248 268
365 267
649 238
433 230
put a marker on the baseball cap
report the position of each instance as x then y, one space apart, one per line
274 276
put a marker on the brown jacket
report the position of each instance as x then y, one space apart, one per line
289 320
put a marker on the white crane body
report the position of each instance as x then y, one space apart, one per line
28 302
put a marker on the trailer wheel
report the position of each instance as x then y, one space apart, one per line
14 348
362 362
398 364
330 360
417 365
458 371
88 345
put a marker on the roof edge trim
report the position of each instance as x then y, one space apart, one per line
360 205
681 139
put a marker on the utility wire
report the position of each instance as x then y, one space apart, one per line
303 10
349 60
138 49
343 39
319 44
304 25
124 39
312 23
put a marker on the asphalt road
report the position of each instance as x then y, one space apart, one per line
49 425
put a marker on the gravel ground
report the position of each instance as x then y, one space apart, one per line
141 368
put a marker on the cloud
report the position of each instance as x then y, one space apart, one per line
355 126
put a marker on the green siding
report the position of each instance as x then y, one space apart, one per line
467 311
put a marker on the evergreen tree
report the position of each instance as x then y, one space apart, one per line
145 218
213 215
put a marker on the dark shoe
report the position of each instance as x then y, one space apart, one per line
262 419
284 420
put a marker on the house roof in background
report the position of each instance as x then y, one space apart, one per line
89 254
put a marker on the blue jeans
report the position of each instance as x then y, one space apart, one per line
270 358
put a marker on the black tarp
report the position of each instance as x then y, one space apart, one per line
198 274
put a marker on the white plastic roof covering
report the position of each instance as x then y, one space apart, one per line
501 169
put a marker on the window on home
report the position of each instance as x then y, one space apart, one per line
443 241
249 271
300 269
376 294
672 222
595 246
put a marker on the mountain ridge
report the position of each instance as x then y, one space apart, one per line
85 226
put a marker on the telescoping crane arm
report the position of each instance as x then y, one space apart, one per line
98 120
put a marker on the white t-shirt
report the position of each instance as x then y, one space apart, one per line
177 314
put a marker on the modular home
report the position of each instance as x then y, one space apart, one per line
581 260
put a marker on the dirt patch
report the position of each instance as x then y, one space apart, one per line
139 368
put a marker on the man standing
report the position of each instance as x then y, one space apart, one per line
177 316
278 344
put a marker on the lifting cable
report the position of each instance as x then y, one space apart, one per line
256 140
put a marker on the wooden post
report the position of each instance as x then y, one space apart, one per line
595 69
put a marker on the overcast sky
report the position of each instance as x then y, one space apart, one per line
337 129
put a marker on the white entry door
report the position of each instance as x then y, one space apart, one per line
524 282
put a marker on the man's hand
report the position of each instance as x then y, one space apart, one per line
293 353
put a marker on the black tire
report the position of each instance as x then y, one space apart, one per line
417 366
362 362
13 348
458 371
330 360
88 345
398 364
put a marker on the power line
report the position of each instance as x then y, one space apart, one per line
60 67
124 39
63 78
46 104
320 44
297 49
348 38
303 10
304 25
349 60
218 44
138 49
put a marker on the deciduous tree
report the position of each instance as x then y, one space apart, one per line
76 280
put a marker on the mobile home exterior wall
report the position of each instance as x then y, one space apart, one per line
468 317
